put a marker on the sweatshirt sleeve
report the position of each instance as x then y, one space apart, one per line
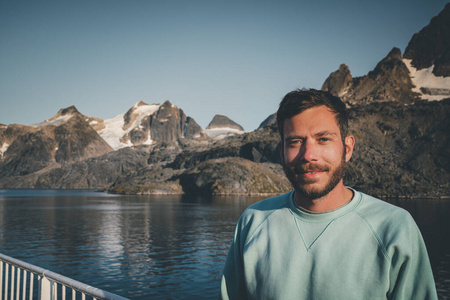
233 283
411 276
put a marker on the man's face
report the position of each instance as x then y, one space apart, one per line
314 155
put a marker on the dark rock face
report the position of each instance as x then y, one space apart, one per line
192 130
167 124
170 124
172 166
77 141
401 150
9 133
220 121
98 172
33 149
389 81
30 152
269 121
258 146
431 46
139 135
231 175
338 82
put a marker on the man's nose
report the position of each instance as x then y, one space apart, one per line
308 151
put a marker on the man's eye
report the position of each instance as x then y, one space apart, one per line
295 142
324 139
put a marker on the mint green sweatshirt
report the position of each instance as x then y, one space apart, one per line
366 249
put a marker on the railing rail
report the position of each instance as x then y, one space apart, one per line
21 280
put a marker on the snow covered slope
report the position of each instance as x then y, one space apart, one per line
428 85
117 128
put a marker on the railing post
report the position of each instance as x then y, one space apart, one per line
6 281
1 278
46 288
13 271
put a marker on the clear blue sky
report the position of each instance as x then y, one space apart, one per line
236 58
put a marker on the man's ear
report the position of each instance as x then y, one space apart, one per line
349 144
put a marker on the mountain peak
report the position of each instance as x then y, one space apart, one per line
430 46
389 81
144 124
221 127
67 111
63 115
220 121
338 82
140 103
395 53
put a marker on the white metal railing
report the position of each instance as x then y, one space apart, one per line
21 280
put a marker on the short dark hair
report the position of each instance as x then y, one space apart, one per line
298 101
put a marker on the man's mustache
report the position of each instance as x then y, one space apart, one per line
307 167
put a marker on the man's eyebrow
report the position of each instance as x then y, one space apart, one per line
293 137
319 134
323 133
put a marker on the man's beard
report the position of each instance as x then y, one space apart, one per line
300 184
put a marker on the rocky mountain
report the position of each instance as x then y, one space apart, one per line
71 150
389 81
242 164
220 121
401 150
221 127
145 124
402 141
422 73
64 139
270 120
431 46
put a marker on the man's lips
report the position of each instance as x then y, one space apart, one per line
309 169
312 173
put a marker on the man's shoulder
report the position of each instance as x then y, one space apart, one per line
252 219
388 222
372 207
259 211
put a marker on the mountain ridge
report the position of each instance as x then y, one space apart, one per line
402 142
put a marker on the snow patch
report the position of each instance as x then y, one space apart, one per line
55 122
113 131
221 133
3 149
426 79
149 140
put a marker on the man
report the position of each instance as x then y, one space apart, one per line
324 240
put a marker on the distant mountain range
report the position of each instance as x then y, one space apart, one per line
399 115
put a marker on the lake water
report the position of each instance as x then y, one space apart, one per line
156 247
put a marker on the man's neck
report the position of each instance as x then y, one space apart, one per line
338 197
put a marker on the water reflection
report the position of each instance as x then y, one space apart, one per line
159 247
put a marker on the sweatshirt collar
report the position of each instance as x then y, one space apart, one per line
326 215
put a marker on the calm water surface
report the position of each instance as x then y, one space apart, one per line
155 247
